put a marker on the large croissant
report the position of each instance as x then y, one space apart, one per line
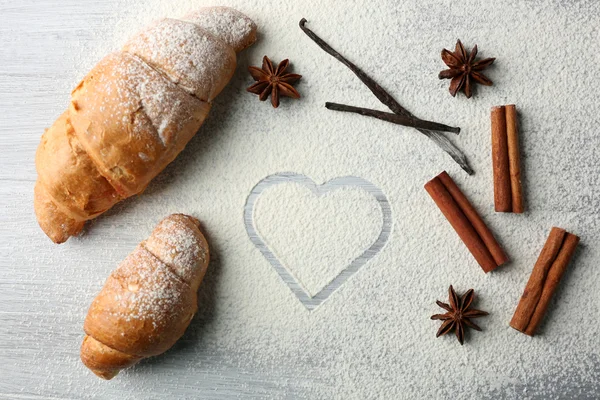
149 300
133 114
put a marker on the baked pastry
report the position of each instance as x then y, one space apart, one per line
133 114
148 302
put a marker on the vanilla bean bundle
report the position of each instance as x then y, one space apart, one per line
384 97
393 118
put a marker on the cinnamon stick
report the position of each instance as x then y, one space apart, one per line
506 160
502 191
466 222
545 277
514 158
480 227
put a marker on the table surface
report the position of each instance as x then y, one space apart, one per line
45 46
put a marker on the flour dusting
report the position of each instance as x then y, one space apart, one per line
194 59
372 338
180 245
317 237
153 289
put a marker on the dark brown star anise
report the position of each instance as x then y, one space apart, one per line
464 70
459 314
272 80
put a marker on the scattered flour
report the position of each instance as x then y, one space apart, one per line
316 237
187 54
373 337
153 282
178 243
153 291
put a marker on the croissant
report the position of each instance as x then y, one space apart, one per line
133 114
149 300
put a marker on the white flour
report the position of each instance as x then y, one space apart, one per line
373 337
317 237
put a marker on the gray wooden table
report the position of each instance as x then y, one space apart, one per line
45 289
45 47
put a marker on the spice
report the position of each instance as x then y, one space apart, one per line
466 222
500 163
464 70
508 195
384 97
514 159
393 118
272 80
459 314
544 279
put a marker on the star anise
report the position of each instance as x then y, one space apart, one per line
459 314
464 69
272 80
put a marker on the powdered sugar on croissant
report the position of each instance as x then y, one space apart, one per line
133 114
148 302
187 54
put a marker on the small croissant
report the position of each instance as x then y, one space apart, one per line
133 114
148 302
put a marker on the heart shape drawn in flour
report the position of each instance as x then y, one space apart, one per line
313 301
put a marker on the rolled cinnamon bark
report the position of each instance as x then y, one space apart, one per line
514 158
500 163
544 279
466 222
480 227
506 160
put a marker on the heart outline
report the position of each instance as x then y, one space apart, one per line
312 302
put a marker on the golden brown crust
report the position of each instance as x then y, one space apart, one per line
151 120
179 244
227 24
145 306
132 115
68 174
57 225
170 44
104 361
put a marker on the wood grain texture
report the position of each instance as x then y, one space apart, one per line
45 290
